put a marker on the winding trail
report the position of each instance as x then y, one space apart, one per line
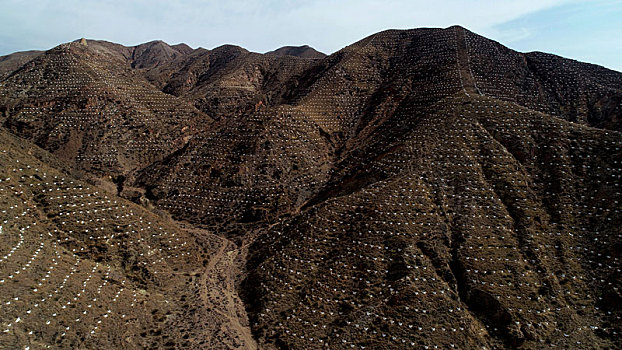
219 294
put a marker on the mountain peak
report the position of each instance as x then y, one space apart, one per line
304 51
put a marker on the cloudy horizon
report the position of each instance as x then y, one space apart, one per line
586 31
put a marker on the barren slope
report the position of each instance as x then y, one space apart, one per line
485 225
88 107
81 268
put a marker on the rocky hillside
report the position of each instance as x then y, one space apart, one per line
83 268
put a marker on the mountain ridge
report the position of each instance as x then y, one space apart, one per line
304 51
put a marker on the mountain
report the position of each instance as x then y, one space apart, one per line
230 80
89 107
10 63
147 55
425 188
304 51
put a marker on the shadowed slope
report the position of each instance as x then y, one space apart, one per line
461 238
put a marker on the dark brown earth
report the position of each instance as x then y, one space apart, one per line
304 51
425 188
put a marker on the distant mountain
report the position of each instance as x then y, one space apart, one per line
147 55
229 80
425 188
304 51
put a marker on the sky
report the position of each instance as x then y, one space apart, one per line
586 30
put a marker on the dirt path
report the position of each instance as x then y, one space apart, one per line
218 292
464 64
218 282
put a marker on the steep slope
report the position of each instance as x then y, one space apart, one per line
304 51
88 107
485 225
359 88
243 172
341 112
81 268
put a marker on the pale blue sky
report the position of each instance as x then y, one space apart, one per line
589 30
